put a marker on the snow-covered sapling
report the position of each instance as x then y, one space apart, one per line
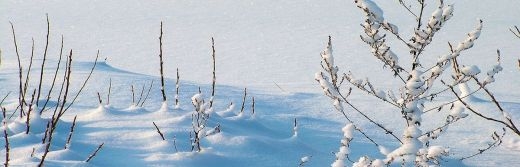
419 83
200 117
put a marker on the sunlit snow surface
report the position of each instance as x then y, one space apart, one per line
260 44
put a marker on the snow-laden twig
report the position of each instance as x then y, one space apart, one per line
344 148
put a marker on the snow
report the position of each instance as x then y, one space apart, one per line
257 43
470 70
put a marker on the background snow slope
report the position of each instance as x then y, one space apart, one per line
259 43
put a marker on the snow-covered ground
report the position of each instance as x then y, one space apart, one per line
259 45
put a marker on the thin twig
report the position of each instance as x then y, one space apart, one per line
419 19
408 8
7 151
99 98
54 78
140 95
27 75
497 142
243 100
177 85
483 116
161 63
27 122
509 122
515 32
175 143
44 58
253 105
133 94
214 78
84 82
159 131
20 102
69 138
95 152
109 91
147 93
8 93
